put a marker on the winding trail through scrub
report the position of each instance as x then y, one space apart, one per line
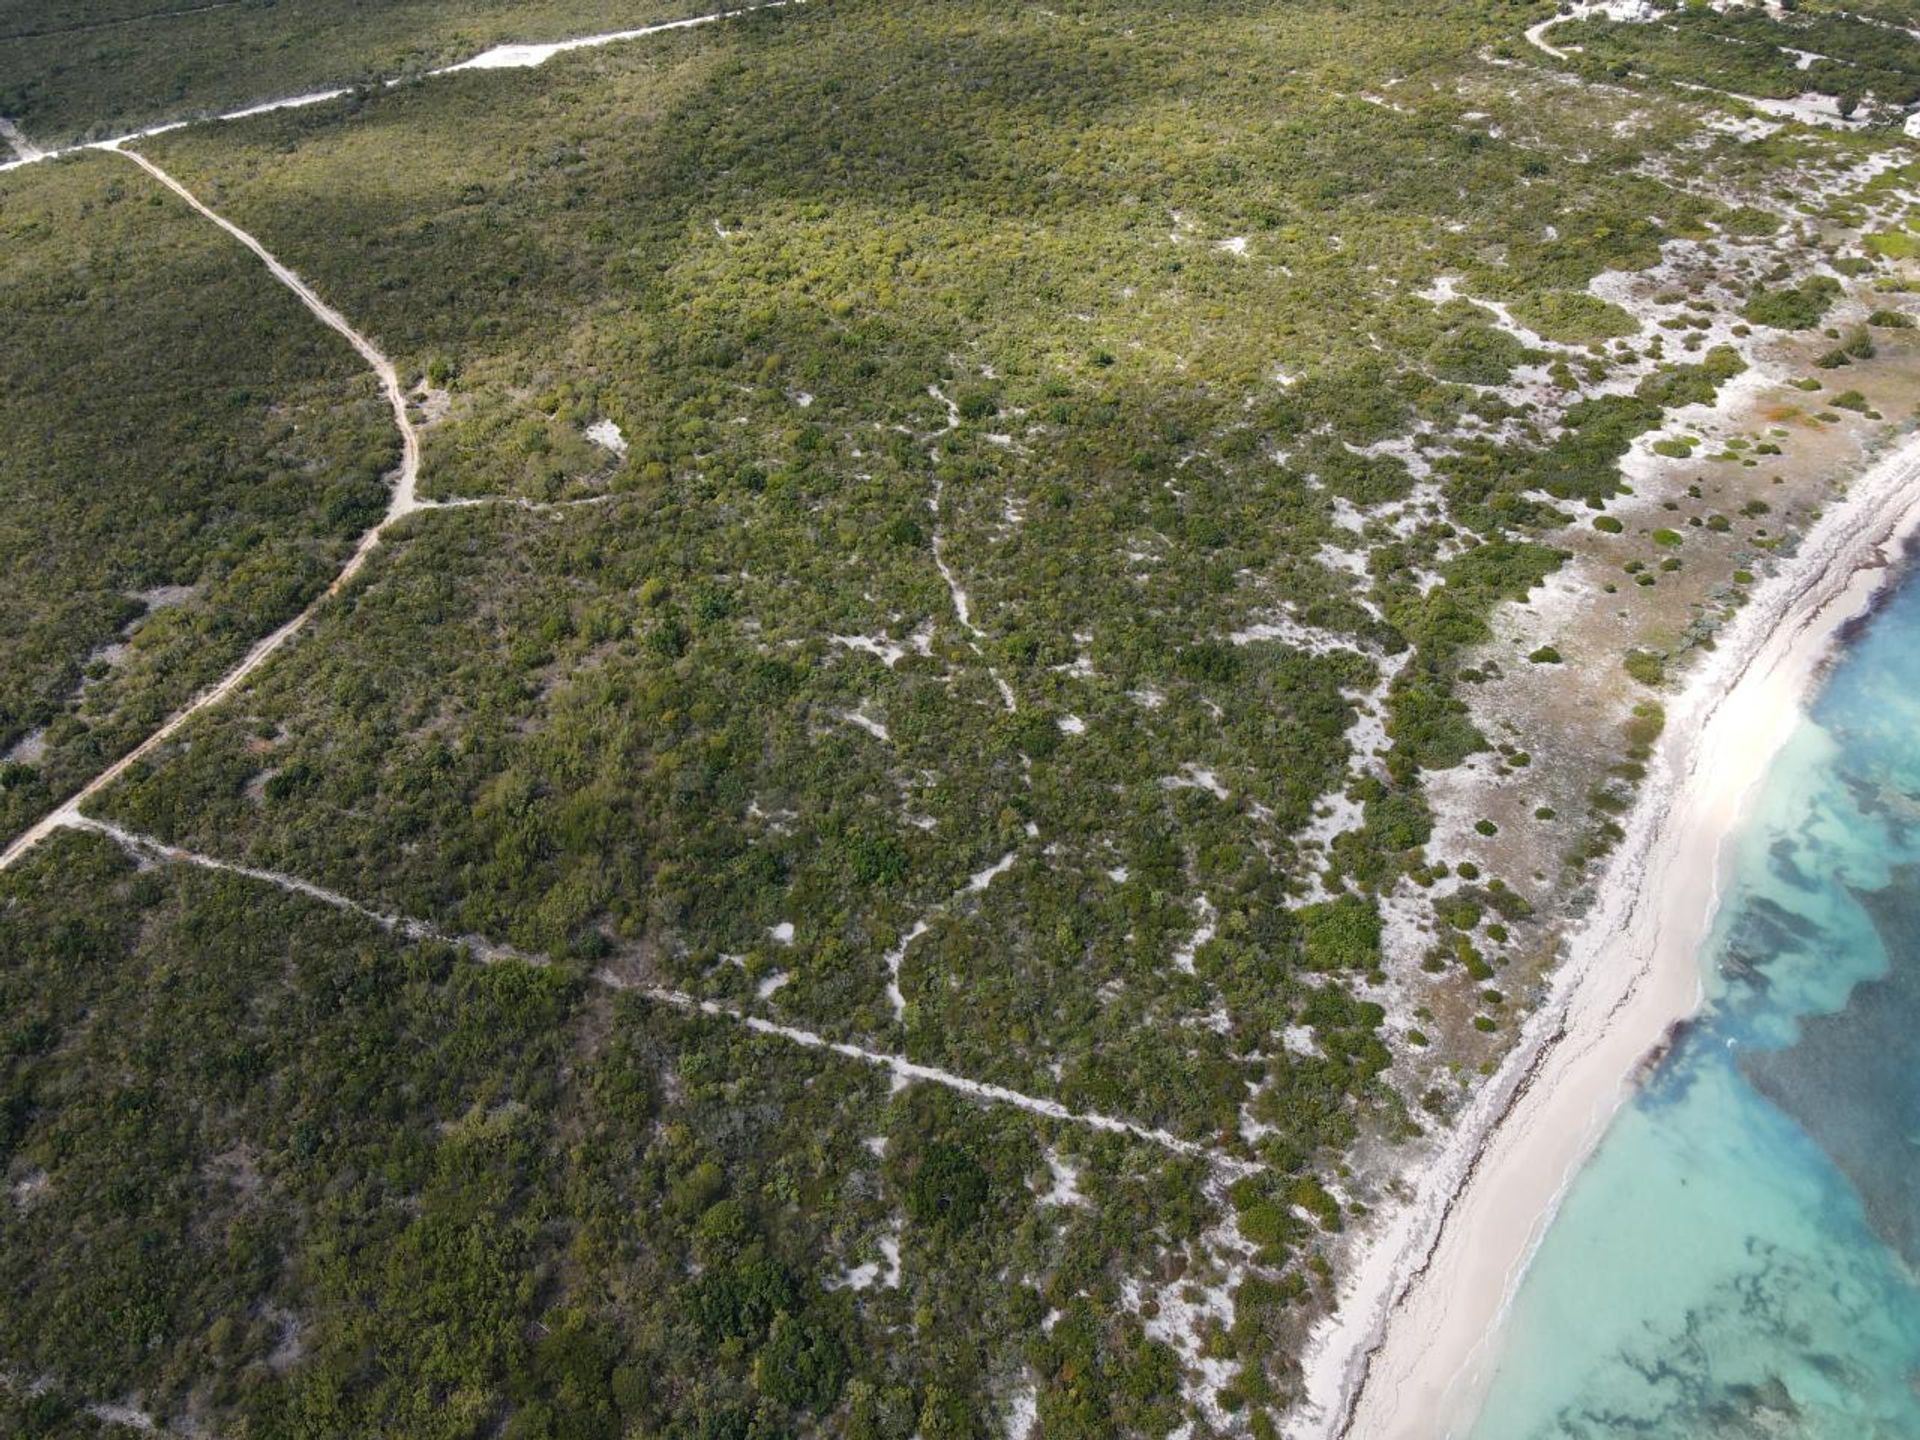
904 1070
402 501
962 603
1537 36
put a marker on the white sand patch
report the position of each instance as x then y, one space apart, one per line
1289 631
1147 698
521 57
981 879
888 652
867 723
1233 245
977 884
1193 777
1071 725
1347 515
962 602
166 597
1204 931
894 958
608 436
1809 107
1081 666
781 934
29 1187
29 749
1066 1181
770 986
1350 562
1745 128
884 1272
22 147
885 648
1023 1413
126 1416
1193 1308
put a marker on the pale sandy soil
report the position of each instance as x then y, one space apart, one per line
1422 1299
1633 972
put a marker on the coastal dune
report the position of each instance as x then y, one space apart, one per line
1412 1349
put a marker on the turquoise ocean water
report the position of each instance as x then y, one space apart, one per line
1741 1256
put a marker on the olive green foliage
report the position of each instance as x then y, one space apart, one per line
1341 934
1799 307
993 441
104 67
732 264
1574 318
1646 667
305 1178
185 455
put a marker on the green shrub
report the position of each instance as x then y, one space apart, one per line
1800 308
948 1189
1645 666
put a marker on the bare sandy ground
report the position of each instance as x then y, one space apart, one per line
1414 1335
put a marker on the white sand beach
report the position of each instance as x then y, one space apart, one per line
1410 1351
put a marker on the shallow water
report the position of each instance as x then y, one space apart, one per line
1739 1256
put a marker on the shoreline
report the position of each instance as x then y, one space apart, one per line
1411 1348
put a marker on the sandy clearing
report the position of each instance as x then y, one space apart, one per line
521 57
1412 1335
515 502
401 502
24 148
608 435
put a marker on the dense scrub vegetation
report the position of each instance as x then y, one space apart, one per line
777 317
272 1168
105 67
1023 623
184 455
